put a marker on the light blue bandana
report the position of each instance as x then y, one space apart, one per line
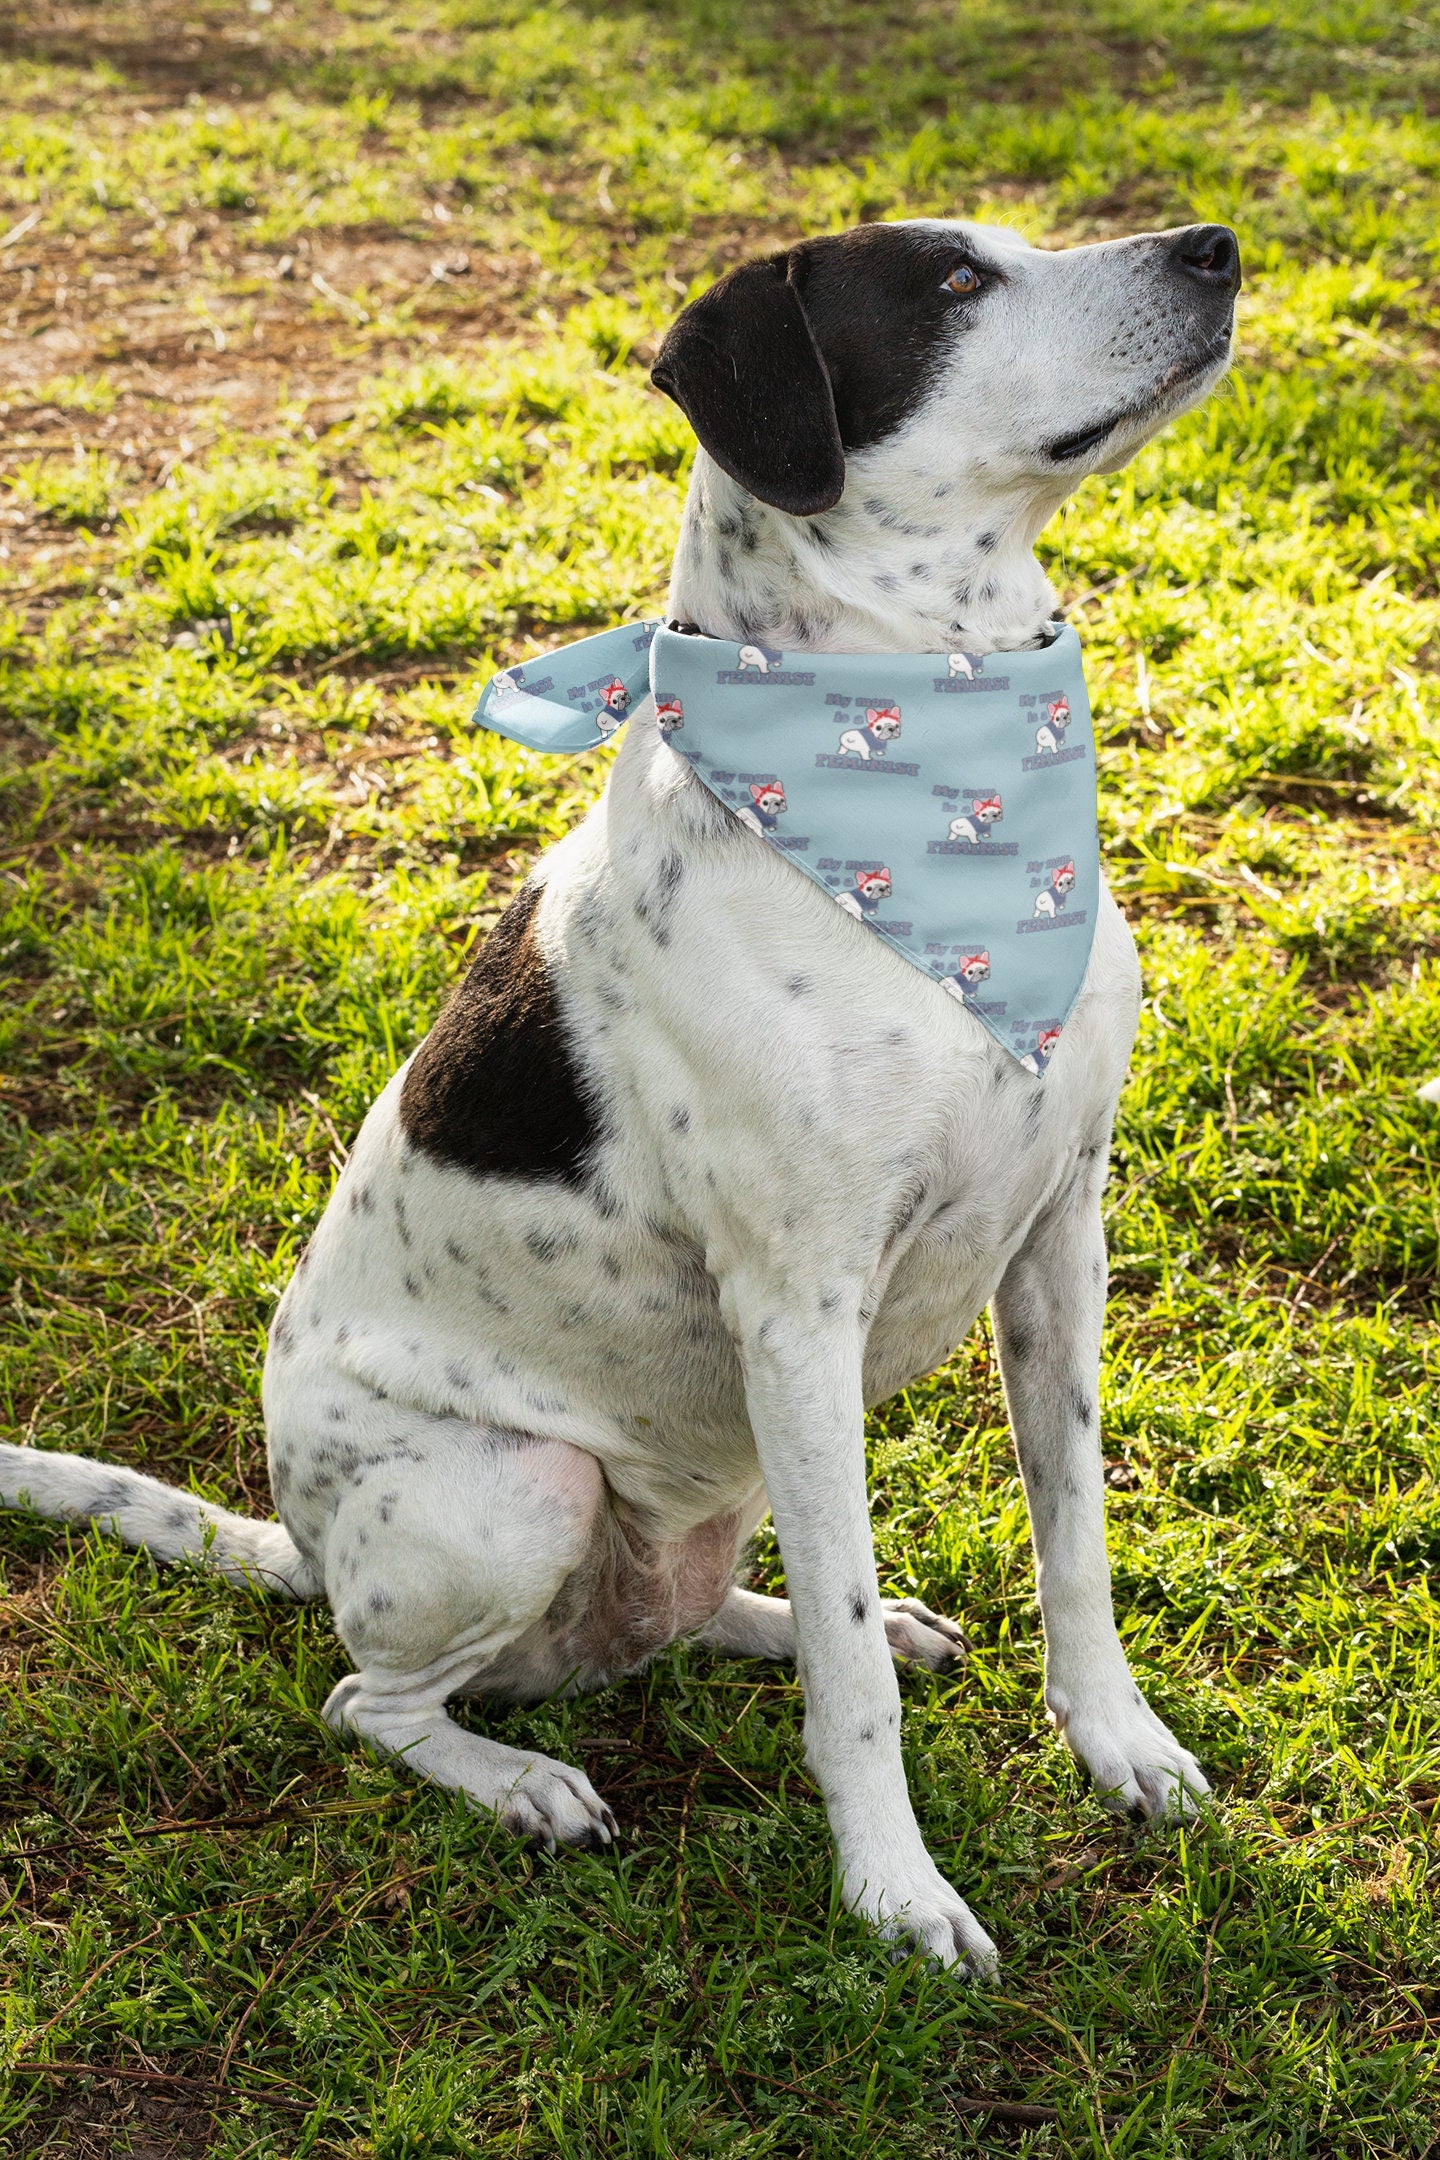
946 801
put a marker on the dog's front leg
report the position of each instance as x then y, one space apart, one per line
1049 1312
803 1389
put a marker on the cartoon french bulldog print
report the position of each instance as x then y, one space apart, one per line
669 715
1053 898
882 725
758 657
966 664
971 970
614 705
1036 1060
762 812
871 887
1050 736
975 824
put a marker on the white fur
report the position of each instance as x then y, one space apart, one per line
520 1431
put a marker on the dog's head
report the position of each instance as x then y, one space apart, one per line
958 345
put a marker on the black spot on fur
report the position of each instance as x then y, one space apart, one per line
457 1253
336 1413
611 1266
495 1088
680 1119
380 1601
281 1338
798 985
412 1288
1083 1407
985 542
401 1224
867 1732
882 513
859 1607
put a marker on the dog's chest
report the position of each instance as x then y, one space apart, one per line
795 1099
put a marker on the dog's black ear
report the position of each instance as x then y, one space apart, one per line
742 364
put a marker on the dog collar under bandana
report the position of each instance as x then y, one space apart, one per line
946 801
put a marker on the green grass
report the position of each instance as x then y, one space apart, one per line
264 539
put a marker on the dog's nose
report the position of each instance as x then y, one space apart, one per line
1208 253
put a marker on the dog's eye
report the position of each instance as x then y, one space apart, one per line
963 279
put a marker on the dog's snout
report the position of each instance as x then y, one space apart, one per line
1210 254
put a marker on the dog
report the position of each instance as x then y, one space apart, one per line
1056 896
1050 735
979 821
765 808
622 1253
882 725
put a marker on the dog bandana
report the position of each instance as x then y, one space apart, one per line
945 800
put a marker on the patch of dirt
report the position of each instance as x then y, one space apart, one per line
192 325
104 2118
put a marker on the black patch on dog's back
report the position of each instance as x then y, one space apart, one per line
494 1087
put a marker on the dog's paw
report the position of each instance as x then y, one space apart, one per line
1138 1767
924 1915
923 1637
551 1805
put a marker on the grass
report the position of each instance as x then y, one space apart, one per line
324 390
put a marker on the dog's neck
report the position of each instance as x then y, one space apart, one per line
903 563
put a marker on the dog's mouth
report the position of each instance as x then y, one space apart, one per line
1065 449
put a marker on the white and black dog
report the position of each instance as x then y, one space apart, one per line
623 1252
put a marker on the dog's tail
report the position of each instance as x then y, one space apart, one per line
168 1523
